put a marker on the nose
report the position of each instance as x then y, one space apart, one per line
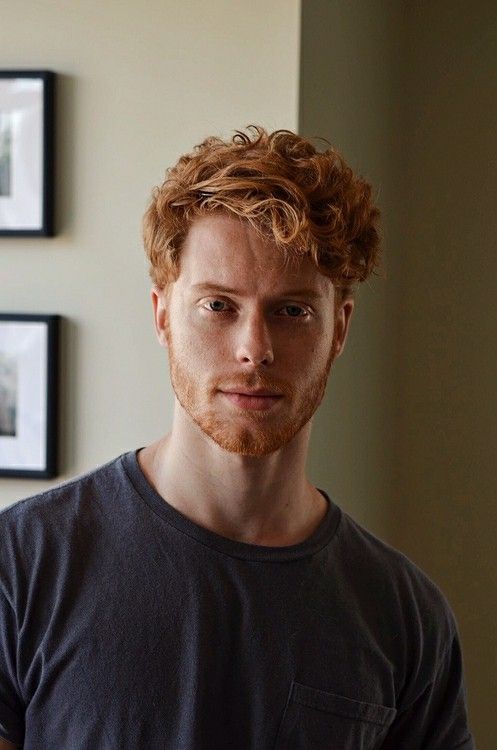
254 341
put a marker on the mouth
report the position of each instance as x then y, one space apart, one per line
256 401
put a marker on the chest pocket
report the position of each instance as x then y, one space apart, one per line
317 720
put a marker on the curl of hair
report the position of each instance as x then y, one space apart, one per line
306 202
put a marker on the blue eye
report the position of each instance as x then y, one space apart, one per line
218 302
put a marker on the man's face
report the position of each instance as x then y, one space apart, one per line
273 331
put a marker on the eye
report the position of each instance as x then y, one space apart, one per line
301 312
216 306
216 302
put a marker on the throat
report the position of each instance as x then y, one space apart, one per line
290 524
296 533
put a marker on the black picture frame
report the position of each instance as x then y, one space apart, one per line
29 359
27 139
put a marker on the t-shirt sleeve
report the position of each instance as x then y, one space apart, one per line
11 705
437 719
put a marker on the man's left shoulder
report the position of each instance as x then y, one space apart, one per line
398 582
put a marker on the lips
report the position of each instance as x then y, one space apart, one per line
253 393
255 400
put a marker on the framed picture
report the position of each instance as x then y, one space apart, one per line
26 152
28 395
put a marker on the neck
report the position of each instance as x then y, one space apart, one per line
265 500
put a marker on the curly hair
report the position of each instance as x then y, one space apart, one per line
307 202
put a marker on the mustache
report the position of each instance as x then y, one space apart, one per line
251 383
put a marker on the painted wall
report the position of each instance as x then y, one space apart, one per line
139 84
444 512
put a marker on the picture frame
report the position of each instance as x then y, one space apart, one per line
29 353
27 136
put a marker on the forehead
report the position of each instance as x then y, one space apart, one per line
227 250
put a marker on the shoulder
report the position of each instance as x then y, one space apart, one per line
38 526
62 497
389 579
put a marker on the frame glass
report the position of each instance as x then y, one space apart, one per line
28 395
26 152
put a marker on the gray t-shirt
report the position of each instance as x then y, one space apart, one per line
124 625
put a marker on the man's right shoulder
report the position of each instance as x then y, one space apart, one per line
63 500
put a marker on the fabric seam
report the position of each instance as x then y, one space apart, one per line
437 669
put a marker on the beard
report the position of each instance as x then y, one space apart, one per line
253 433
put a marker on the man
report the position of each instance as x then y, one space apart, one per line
201 593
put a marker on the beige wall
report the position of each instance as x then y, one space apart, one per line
408 91
445 510
139 83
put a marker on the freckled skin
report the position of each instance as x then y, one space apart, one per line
254 342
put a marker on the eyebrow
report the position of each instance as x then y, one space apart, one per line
212 287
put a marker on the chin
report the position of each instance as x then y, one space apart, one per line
246 443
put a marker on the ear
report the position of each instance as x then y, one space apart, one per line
160 304
342 324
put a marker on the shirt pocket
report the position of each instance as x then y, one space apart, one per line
326 721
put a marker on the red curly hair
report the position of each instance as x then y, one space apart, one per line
305 201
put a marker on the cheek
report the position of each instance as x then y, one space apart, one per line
202 347
305 353
315 364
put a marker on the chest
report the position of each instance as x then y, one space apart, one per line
192 657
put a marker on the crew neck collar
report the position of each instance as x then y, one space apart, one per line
242 550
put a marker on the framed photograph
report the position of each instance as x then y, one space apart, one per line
28 395
26 152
